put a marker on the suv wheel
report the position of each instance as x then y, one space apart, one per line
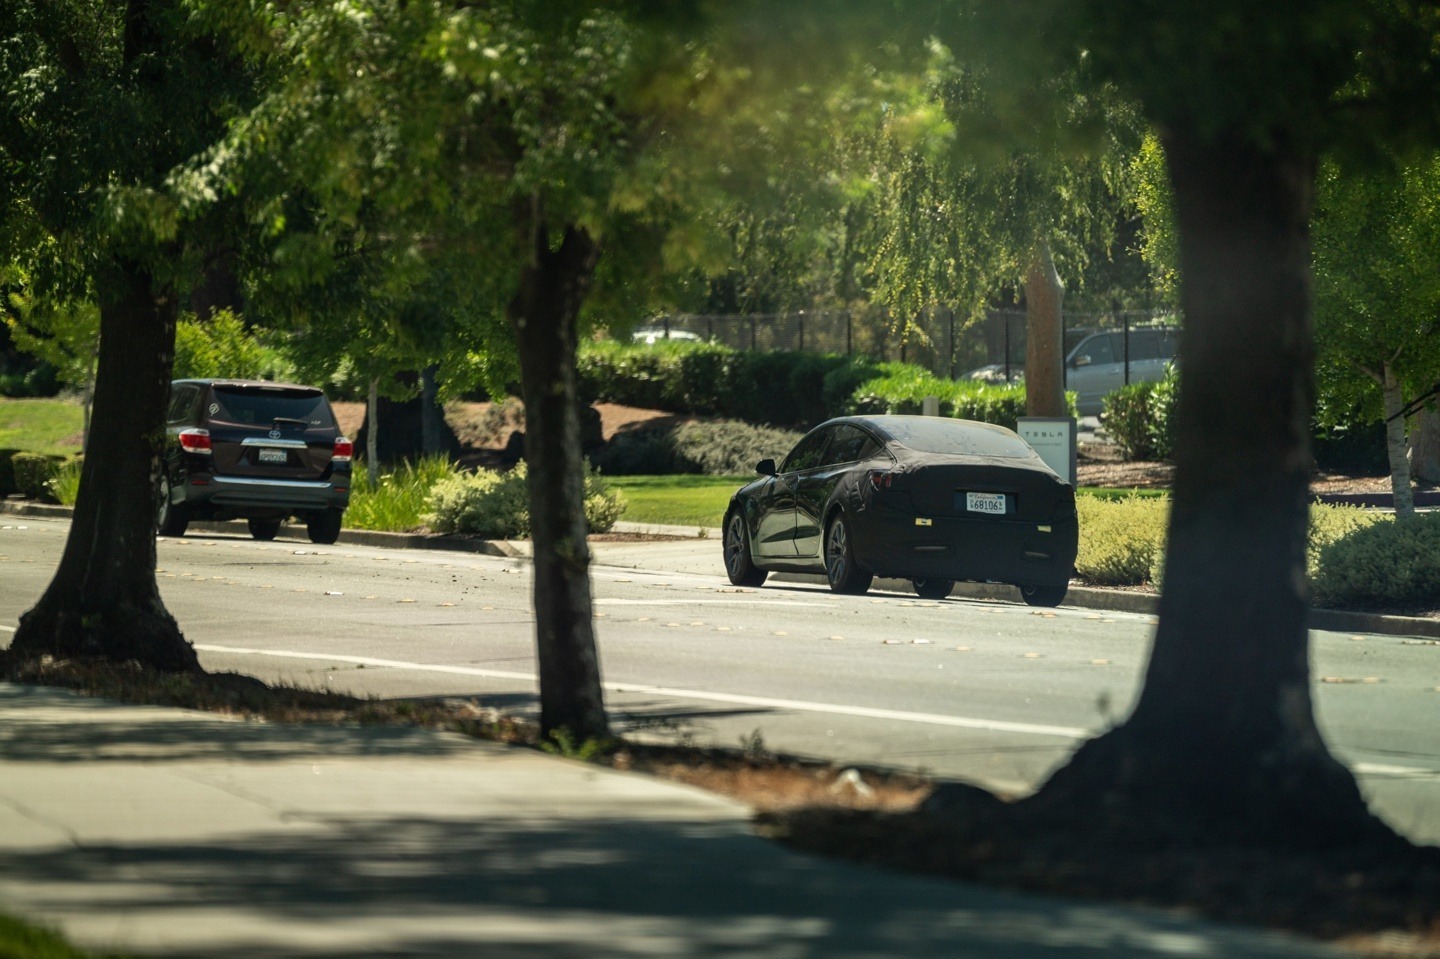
324 526
264 529
170 517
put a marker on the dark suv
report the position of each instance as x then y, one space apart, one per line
259 451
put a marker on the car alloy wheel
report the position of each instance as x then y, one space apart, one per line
738 564
840 568
170 518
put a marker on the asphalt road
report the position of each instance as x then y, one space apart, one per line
990 692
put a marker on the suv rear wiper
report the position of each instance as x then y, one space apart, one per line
291 420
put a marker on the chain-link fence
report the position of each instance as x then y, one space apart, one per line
939 340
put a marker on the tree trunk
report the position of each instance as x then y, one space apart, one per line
432 416
1223 743
1393 397
1425 445
1044 362
103 602
543 315
372 438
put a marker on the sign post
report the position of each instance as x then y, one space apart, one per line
1053 437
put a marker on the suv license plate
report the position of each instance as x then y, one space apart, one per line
992 503
280 457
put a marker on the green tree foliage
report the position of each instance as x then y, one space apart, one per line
103 102
1377 309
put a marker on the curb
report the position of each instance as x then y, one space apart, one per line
1424 499
352 537
1085 597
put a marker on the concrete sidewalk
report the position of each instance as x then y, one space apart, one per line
167 832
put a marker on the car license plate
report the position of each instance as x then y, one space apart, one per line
992 503
274 456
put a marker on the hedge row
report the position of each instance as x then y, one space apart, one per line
777 387
716 448
782 388
31 474
1354 557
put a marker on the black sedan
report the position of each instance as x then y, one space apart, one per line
923 498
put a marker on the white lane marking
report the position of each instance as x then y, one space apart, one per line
865 712
1379 769
729 601
9 629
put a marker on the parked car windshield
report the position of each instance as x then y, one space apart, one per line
262 405
933 434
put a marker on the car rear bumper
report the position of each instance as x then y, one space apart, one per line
966 548
237 495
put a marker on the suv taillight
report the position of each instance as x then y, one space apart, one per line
344 449
195 441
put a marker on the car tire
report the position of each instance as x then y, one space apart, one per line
171 518
324 527
844 574
264 529
931 588
1045 594
739 565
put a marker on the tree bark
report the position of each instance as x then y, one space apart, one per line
103 602
1223 742
372 437
1044 335
1425 445
543 315
1393 398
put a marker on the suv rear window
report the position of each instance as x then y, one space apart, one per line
262 405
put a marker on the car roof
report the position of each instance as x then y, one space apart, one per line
881 423
254 384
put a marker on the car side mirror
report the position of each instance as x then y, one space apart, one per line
1080 361
765 467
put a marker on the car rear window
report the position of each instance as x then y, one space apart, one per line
261 405
934 434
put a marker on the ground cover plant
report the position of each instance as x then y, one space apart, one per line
399 498
496 505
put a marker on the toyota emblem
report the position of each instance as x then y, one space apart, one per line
274 434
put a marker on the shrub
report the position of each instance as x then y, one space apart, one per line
1121 541
33 472
779 387
718 448
902 388
64 485
399 498
7 472
1384 562
496 505
1139 418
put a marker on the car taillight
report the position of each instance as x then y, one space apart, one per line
344 449
195 441
881 479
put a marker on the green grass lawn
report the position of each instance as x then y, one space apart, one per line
687 500
1106 493
21 940
41 426
683 500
